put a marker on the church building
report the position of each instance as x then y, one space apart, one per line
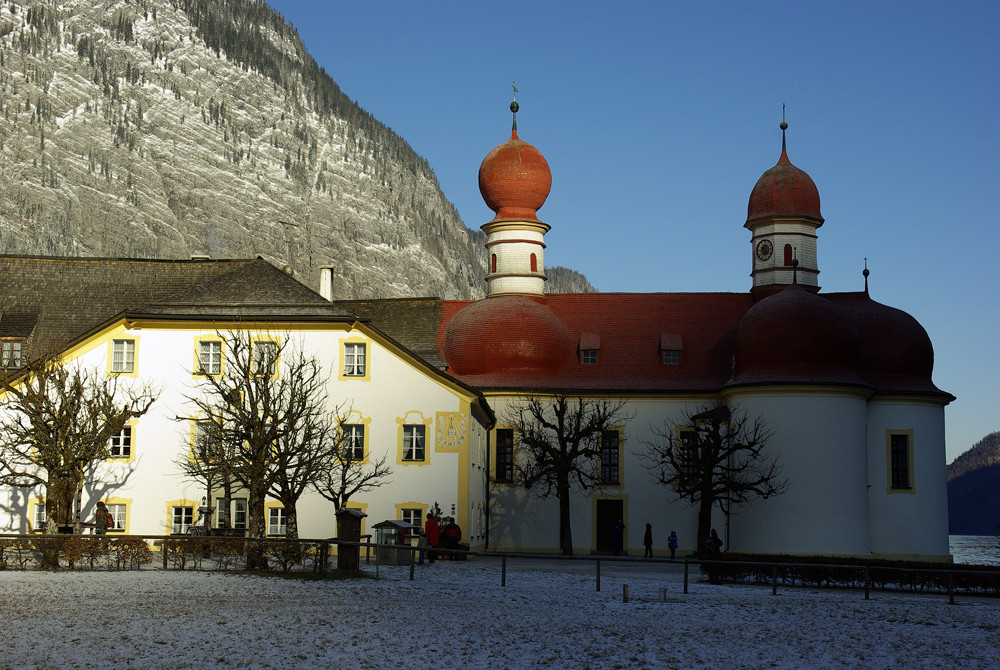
843 381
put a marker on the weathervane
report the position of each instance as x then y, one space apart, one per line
514 106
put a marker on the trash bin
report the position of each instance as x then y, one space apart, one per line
392 541
349 529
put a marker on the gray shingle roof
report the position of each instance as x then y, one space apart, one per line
63 299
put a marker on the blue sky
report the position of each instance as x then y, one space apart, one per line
657 118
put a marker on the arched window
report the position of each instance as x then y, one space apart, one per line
788 254
493 263
534 263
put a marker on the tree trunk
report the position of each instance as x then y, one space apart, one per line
565 530
258 527
291 521
704 524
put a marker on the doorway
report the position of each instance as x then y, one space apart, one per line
607 514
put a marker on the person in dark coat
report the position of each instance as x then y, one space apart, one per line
714 544
647 541
672 543
433 532
102 518
451 535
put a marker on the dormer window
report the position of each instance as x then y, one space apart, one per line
11 352
590 345
671 345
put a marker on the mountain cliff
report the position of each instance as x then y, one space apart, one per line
974 489
170 128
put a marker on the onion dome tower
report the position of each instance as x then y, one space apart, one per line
514 180
782 216
512 330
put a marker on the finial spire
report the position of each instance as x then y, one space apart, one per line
795 265
514 107
866 273
784 127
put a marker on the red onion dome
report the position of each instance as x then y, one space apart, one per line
895 352
795 336
784 190
515 180
506 333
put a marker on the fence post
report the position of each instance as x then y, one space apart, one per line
685 576
503 571
163 550
774 580
624 593
598 561
412 565
951 588
868 583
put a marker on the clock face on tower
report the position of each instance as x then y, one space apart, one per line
764 249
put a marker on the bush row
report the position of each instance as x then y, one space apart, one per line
850 573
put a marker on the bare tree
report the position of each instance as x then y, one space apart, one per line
559 443
715 455
213 462
265 407
55 427
349 472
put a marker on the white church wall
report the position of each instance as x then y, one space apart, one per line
908 522
819 438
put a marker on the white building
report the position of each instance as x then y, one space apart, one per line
843 381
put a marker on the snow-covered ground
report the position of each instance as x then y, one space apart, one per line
457 615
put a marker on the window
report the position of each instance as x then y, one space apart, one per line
276 522
688 458
10 354
534 263
411 515
240 513
413 443
210 357
900 462
123 356
265 358
38 516
589 356
354 359
120 445
671 357
354 442
610 454
181 519
788 255
238 520
118 515
504 471
493 263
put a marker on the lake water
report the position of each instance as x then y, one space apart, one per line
975 549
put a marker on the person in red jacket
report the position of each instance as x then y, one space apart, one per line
433 533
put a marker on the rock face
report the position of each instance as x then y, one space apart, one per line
974 489
170 128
